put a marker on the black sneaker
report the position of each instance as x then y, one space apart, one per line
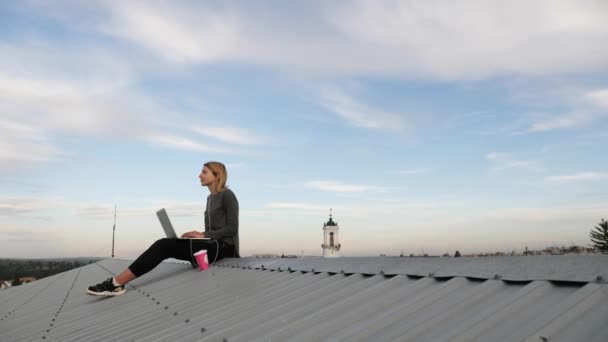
106 288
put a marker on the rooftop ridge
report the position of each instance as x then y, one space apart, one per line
567 268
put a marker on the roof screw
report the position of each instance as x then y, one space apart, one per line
497 276
543 338
599 278
431 274
187 320
157 303
202 330
166 307
279 269
312 270
175 314
381 272
289 268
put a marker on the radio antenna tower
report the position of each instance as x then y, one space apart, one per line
113 230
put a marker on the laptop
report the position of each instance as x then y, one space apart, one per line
168 227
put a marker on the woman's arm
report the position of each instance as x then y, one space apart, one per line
231 205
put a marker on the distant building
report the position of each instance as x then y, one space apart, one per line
269 255
331 242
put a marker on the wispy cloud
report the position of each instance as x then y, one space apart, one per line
178 142
360 115
588 106
70 94
598 98
25 235
570 120
22 145
231 135
296 205
504 161
340 187
181 34
385 38
30 206
414 171
368 209
87 92
579 177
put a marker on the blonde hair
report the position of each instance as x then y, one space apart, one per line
219 171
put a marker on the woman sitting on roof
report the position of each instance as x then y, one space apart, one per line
221 225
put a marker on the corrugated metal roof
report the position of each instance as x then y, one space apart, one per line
352 299
581 268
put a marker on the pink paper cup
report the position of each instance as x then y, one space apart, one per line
201 259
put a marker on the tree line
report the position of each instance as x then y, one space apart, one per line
13 269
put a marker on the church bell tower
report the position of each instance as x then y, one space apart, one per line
331 242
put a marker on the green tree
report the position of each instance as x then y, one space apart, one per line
599 236
16 281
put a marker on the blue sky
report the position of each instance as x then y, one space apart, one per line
474 126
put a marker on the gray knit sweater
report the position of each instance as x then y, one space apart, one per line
222 218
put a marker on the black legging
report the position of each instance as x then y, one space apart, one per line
179 249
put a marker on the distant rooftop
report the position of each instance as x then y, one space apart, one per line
508 298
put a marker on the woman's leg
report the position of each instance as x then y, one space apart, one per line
160 250
154 255
171 248
197 245
125 277
212 246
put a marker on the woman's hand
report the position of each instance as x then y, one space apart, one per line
193 234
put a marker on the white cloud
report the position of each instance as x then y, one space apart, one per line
579 177
177 33
360 115
589 106
571 120
598 98
414 171
575 211
31 206
296 205
231 135
504 161
339 187
181 143
85 92
16 235
22 145
368 209
471 40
